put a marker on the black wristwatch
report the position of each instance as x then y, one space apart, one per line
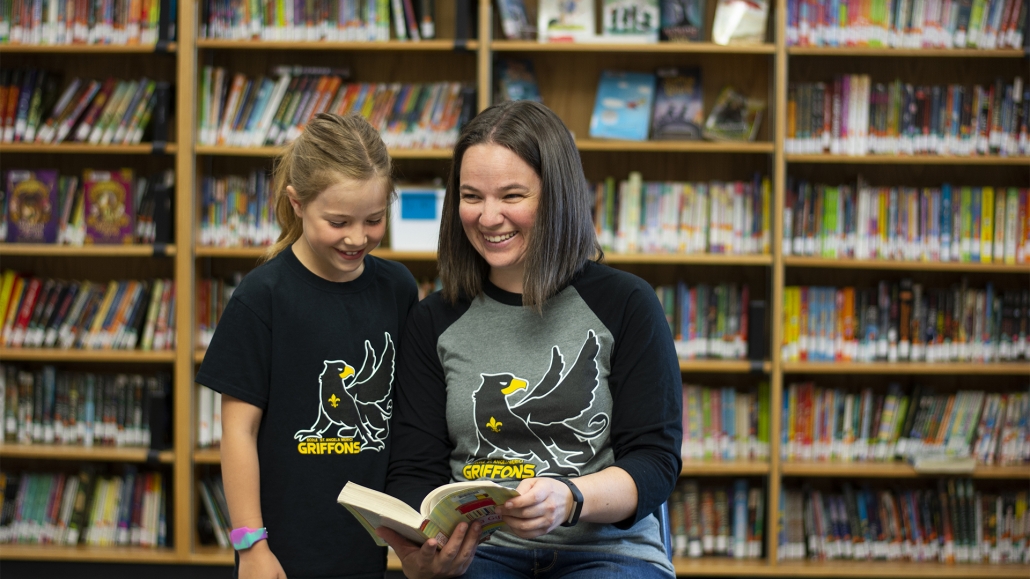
577 499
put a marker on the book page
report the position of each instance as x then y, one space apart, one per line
375 509
467 501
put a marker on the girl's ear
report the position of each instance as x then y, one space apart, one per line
291 193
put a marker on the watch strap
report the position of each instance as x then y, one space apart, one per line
245 537
577 501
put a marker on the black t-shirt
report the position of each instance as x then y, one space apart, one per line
318 358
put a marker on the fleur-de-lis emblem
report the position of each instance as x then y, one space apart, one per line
494 424
334 400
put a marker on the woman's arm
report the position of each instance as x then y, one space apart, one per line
241 478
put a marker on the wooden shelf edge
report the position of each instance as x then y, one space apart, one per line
689 259
76 148
90 453
891 470
207 456
899 570
844 263
50 249
618 146
222 151
907 160
436 45
727 366
904 52
964 368
601 46
700 468
88 48
89 554
59 355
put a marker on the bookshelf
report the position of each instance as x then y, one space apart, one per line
567 74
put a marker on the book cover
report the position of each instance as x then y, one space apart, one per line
516 80
32 214
622 109
565 20
683 20
630 20
734 117
740 22
678 105
108 206
438 515
515 20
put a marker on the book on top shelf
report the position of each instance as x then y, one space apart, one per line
740 21
516 23
440 512
630 21
678 104
683 20
622 109
32 211
108 206
734 117
566 20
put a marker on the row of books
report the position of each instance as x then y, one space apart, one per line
834 424
51 406
237 211
852 115
707 321
209 417
115 315
101 207
984 24
49 22
212 296
719 519
213 524
929 224
725 423
88 508
904 322
954 523
36 109
718 217
241 111
339 20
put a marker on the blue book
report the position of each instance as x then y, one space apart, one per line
622 109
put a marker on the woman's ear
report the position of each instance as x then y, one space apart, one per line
291 193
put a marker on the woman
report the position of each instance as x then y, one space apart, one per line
536 367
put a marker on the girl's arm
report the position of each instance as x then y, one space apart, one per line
241 478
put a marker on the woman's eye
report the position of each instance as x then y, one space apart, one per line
470 197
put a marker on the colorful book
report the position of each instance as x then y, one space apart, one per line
622 109
108 206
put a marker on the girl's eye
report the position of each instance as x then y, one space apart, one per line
336 224
375 221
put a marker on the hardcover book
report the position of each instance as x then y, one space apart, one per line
678 105
440 512
622 109
108 206
683 20
734 117
630 20
32 214
566 20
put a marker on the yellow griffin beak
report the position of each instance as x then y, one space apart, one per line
516 384
348 371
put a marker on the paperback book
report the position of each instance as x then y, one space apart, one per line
566 20
515 20
734 117
740 21
630 20
108 206
678 105
683 20
516 80
32 206
622 109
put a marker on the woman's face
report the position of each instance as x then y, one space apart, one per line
500 194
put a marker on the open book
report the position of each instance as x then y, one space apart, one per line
439 514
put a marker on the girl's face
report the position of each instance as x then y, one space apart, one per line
500 194
341 225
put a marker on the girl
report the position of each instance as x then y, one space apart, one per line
304 359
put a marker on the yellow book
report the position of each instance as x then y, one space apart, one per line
12 310
101 315
986 225
440 512
6 289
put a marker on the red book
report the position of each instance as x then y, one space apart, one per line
14 339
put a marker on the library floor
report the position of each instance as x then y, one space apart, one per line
64 570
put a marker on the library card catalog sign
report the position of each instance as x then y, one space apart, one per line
32 206
415 219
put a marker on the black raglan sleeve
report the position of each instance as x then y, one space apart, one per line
420 445
646 387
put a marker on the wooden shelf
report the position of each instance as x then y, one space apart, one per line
171 47
992 268
852 51
897 570
652 47
695 468
269 152
722 567
50 249
76 148
327 45
257 252
89 554
207 456
616 146
891 470
725 366
908 368
205 555
688 259
91 453
1022 161
59 355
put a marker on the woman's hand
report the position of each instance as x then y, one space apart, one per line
430 562
259 562
543 504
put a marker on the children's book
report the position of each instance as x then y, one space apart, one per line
622 109
515 20
32 213
565 20
740 21
630 20
734 117
108 206
438 515
683 20
516 80
678 105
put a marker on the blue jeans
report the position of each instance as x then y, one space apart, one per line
505 563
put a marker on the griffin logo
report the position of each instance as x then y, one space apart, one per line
358 402
541 424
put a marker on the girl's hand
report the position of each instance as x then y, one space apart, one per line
430 561
543 504
258 562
